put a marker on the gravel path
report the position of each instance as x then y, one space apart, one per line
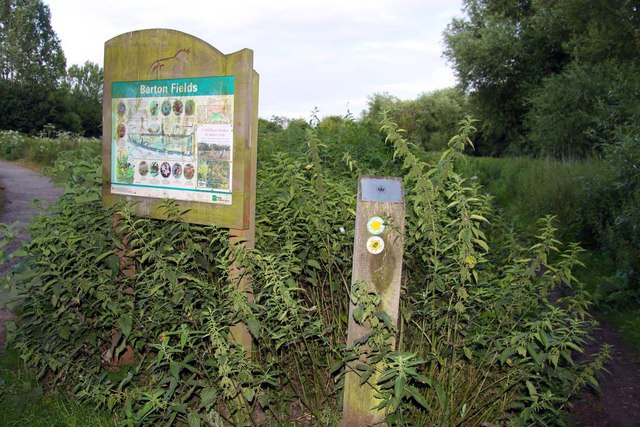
20 187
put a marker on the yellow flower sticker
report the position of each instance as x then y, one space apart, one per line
375 245
375 225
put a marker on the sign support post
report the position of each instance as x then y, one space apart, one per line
377 261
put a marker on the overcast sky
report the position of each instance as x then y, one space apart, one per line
329 54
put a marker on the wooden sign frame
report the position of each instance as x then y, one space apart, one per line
172 57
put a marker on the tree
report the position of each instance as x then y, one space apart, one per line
429 120
84 82
537 70
32 68
378 103
436 116
499 53
35 86
30 51
581 108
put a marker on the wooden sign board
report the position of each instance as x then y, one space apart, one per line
180 121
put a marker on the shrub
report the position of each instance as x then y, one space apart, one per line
488 326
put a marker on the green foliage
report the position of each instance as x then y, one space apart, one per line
23 402
44 150
430 119
619 230
36 89
542 76
85 85
593 200
499 52
576 112
31 108
30 50
524 187
488 331
511 315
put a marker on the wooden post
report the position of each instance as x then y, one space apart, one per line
127 356
377 260
241 65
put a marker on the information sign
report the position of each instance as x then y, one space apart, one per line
180 122
173 139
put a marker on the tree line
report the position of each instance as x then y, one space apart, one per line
544 78
37 90
552 78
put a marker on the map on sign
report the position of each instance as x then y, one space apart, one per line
173 139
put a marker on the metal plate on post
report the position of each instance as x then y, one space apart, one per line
374 189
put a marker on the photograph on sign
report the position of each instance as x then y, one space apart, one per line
173 139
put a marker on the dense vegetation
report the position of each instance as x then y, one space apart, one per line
555 78
492 312
511 325
550 80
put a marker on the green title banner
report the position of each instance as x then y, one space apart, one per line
199 86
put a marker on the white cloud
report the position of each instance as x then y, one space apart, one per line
332 54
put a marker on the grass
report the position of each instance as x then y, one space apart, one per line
24 403
599 278
527 189
628 322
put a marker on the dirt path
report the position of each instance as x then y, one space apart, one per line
20 187
619 402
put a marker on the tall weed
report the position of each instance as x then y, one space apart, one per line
488 331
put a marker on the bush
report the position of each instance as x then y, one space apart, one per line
574 192
488 331
43 150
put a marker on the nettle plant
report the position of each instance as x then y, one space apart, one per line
135 314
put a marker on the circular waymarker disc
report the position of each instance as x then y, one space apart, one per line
375 225
375 245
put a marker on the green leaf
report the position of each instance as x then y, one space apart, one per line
19 253
194 420
553 357
254 327
364 377
103 256
208 397
532 390
467 352
175 369
398 388
386 376
313 263
418 397
124 324
479 218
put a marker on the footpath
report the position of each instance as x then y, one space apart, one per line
20 186
617 406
